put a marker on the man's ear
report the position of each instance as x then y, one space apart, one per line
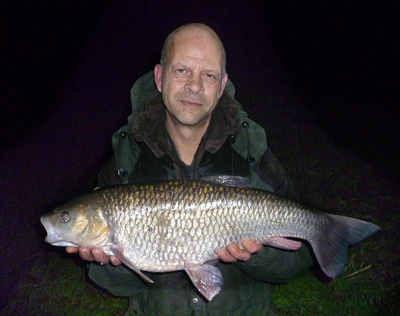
158 76
223 84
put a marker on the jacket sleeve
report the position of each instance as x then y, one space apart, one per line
274 265
269 170
119 280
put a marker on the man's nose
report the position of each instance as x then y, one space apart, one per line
195 84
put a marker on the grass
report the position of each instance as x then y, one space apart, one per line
57 287
360 290
370 282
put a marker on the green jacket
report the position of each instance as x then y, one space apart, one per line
233 144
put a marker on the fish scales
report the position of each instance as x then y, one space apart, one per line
202 217
181 224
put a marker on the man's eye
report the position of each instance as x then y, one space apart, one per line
180 71
210 76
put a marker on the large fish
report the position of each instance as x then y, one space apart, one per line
181 224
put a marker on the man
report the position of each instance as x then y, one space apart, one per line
190 128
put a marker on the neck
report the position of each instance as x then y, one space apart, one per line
186 138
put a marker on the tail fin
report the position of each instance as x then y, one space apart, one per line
331 252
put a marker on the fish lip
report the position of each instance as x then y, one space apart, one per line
52 237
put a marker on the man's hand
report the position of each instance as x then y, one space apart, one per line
232 253
95 254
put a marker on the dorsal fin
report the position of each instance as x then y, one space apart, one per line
232 181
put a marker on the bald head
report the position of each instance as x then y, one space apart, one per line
191 31
191 78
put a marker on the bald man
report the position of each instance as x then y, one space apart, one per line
190 126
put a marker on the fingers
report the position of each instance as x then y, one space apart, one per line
224 255
251 246
115 261
84 252
238 253
232 253
71 250
95 254
99 256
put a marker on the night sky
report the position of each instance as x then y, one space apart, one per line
67 68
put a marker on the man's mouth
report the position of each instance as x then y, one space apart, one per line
190 103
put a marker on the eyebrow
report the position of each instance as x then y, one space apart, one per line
179 63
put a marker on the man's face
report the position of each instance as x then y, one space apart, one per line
191 82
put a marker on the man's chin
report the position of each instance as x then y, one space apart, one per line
191 121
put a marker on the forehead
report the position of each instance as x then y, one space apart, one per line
195 45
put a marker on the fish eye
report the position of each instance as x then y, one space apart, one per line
64 217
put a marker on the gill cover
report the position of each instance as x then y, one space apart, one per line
76 223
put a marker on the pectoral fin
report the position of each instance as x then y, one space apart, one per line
206 278
119 253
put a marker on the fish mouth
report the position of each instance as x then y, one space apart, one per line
52 237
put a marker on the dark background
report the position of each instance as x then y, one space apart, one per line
67 67
342 58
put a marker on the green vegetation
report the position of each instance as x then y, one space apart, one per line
370 282
362 289
59 287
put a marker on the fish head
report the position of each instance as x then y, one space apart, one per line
77 223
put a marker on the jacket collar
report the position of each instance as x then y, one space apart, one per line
149 125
